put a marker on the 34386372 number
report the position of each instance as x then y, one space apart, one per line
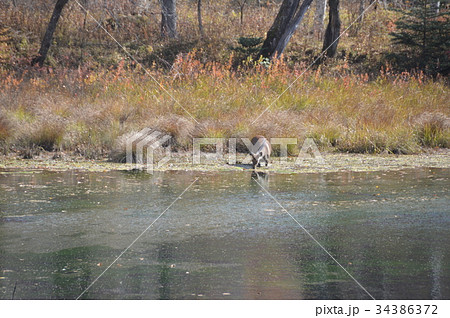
406 309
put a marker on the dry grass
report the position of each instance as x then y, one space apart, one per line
432 130
6 130
86 112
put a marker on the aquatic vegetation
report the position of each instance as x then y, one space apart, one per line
333 162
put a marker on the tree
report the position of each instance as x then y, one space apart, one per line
286 22
199 18
241 4
48 37
169 18
423 37
319 17
333 30
361 10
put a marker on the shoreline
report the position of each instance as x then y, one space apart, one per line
333 162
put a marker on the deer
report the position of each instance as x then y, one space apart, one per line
260 151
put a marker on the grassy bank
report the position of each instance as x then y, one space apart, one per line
86 112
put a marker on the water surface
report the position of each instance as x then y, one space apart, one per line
225 238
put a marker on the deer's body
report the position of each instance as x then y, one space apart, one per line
260 151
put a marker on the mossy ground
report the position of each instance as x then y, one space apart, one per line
333 162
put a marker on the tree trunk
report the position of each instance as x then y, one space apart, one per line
242 4
48 37
169 18
83 32
286 22
319 17
437 6
361 10
333 30
199 17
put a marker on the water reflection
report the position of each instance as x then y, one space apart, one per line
225 238
261 177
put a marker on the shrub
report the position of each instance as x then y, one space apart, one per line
48 137
5 131
433 130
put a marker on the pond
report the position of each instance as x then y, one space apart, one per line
225 237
